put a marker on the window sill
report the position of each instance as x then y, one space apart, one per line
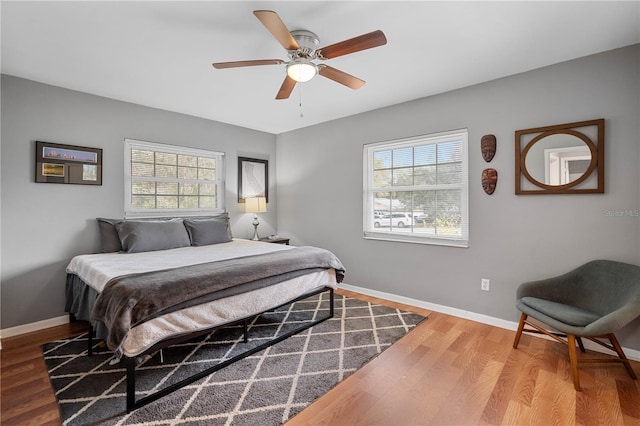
380 236
132 214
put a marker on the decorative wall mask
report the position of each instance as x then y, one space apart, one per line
488 147
489 180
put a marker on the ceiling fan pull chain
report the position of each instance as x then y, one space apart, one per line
300 100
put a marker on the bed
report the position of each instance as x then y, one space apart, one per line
162 281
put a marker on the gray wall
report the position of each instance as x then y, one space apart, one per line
44 225
319 186
512 238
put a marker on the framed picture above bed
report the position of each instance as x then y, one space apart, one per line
58 163
253 178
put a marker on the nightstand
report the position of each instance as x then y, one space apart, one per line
278 240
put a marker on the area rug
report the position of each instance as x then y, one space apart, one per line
266 388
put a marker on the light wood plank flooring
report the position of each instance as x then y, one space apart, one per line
448 371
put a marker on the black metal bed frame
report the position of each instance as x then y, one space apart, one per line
130 362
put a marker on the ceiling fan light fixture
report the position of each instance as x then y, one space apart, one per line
301 70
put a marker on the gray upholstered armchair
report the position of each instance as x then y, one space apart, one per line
592 301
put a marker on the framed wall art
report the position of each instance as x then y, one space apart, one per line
253 178
58 163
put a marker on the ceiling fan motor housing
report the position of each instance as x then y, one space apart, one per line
308 43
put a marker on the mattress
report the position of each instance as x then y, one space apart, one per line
97 269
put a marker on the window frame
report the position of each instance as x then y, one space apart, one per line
219 182
369 190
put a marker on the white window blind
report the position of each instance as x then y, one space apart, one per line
163 180
416 189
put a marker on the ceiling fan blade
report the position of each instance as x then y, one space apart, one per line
274 24
287 87
237 64
356 44
341 77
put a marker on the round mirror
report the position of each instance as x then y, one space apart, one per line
561 159
558 159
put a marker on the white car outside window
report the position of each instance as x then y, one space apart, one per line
396 220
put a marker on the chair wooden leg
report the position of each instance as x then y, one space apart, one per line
623 357
573 358
523 317
580 344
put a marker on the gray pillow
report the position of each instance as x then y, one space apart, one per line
151 235
213 230
109 238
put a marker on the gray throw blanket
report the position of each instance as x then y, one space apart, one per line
133 299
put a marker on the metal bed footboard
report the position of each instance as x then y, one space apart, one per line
130 362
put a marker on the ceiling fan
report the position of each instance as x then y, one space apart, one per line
302 48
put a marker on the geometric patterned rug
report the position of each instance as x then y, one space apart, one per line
267 388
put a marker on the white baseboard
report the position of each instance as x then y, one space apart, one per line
34 326
473 316
460 313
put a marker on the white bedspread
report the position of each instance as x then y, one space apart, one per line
223 311
97 269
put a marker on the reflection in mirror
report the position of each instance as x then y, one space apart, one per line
558 159
564 165
561 159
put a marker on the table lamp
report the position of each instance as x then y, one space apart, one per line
255 205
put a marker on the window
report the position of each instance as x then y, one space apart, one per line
416 189
171 180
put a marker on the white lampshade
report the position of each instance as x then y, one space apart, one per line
255 205
301 70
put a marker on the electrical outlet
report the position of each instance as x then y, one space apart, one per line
485 284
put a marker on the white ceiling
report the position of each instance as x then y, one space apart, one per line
159 54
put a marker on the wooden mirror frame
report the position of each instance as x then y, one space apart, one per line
597 158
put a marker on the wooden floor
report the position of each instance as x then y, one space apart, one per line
448 371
